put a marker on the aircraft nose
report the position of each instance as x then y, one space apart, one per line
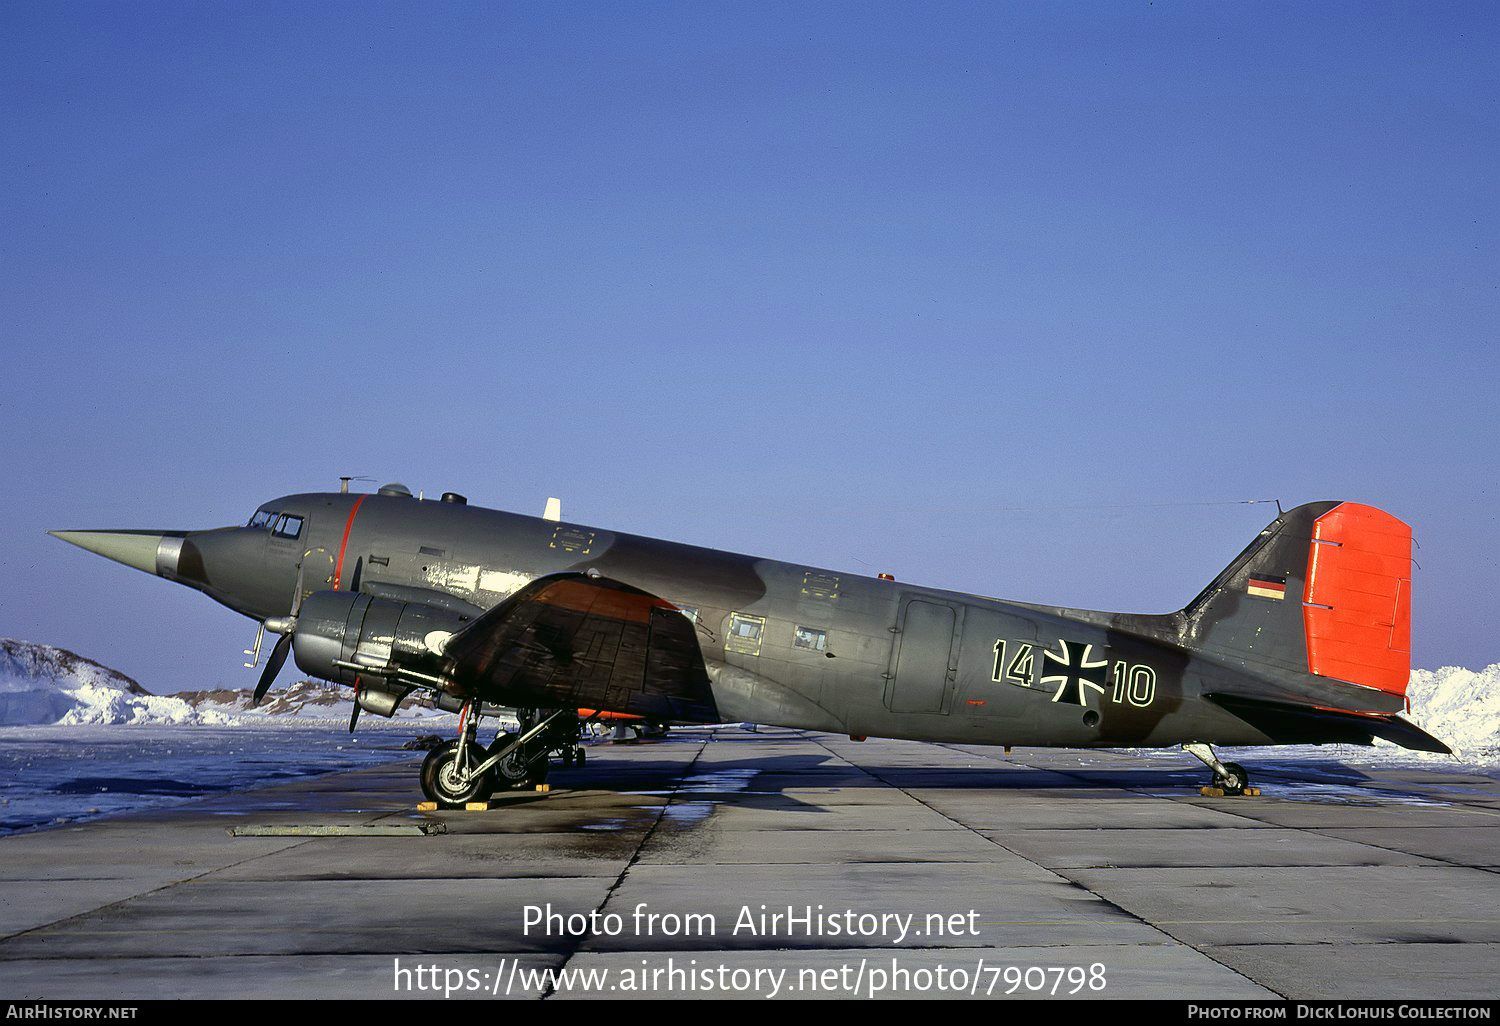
155 552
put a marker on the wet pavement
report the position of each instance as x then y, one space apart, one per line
781 863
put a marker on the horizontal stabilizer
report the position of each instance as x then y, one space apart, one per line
1314 692
1299 724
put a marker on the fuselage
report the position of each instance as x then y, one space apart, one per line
783 643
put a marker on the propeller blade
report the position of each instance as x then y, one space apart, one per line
354 716
287 626
297 595
273 667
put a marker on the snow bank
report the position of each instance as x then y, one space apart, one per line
44 684
305 700
1460 707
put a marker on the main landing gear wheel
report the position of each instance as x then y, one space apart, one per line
1233 780
450 785
516 770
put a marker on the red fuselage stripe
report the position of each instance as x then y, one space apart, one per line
338 571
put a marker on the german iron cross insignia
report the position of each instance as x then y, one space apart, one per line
1074 672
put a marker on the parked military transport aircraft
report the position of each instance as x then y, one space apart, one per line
1304 638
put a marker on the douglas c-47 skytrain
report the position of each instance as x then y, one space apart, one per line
1303 639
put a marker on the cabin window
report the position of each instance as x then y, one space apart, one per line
745 633
262 518
809 639
287 527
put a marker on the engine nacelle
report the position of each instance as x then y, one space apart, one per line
384 645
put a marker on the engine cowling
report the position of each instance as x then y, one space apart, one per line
381 644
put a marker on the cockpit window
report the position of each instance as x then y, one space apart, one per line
262 518
287 527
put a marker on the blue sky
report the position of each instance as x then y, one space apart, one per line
1012 298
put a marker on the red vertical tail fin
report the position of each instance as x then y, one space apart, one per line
1357 606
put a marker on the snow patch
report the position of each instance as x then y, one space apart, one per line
43 684
26 663
310 700
1461 708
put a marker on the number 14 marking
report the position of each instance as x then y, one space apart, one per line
1019 672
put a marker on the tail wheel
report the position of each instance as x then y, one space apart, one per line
450 785
1234 779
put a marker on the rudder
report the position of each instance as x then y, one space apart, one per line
1357 610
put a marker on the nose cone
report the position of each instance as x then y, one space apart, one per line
155 552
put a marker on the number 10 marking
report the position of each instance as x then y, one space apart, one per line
1141 687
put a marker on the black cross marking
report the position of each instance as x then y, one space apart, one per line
1076 672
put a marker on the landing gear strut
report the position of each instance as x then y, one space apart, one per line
1229 777
464 771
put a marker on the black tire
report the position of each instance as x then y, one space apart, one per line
441 782
1234 781
516 770
581 758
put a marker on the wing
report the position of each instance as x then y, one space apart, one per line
570 640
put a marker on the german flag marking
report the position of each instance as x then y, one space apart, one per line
1267 587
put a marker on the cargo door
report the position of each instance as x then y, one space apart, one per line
924 657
